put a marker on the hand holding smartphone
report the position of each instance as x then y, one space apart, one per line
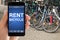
16 19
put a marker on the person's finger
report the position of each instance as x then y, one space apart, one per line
27 25
4 18
27 21
13 38
27 17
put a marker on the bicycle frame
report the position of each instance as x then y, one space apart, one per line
54 10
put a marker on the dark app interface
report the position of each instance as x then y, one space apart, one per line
16 19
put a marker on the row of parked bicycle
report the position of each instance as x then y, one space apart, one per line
43 16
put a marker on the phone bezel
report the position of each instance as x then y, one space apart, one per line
16 4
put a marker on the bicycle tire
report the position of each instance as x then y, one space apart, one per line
51 31
37 22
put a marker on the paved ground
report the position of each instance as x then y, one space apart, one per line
33 34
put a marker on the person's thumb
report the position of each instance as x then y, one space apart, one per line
4 18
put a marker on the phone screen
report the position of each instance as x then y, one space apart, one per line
16 19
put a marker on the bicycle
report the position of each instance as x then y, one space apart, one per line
46 19
36 16
50 22
51 19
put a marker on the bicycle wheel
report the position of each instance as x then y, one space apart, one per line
50 27
36 20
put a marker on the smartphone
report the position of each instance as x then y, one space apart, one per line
16 19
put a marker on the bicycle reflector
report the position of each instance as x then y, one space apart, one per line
51 19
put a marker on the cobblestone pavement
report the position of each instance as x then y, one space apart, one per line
33 34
